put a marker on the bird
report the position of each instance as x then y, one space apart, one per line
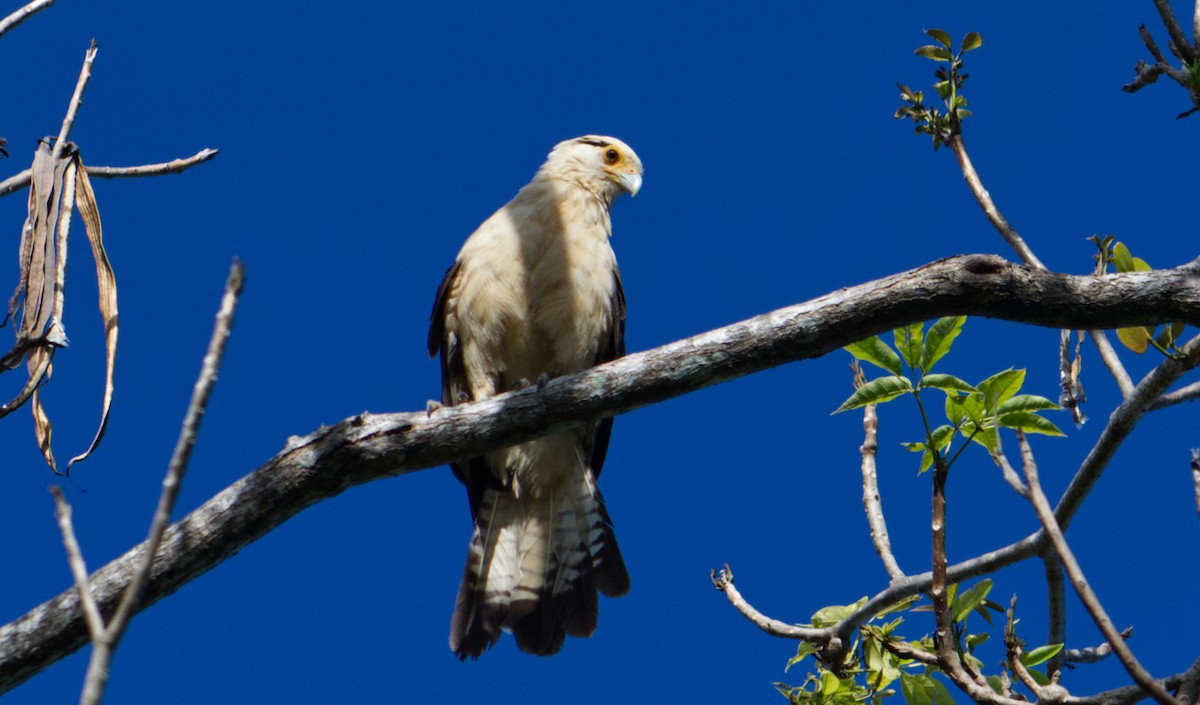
535 293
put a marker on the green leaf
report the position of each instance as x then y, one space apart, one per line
942 435
1039 677
899 606
922 689
974 640
1000 387
803 651
969 599
836 613
913 689
996 683
939 339
1029 422
1122 260
1136 339
936 53
877 391
970 42
1026 402
1040 655
908 342
987 438
940 36
963 409
947 383
876 352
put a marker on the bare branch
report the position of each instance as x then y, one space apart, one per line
1180 46
1092 654
1189 393
1121 424
19 181
79 571
1110 359
872 503
723 581
369 447
1090 601
1189 686
1151 46
994 216
183 447
85 75
1010 475
23 14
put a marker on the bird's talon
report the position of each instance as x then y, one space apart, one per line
431 406
543 379
518 385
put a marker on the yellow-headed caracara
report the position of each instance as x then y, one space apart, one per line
535 293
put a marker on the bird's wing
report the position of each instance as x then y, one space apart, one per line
613 348
444 336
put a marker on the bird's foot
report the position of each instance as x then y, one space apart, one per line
432 406
524 383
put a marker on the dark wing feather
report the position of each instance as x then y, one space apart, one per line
612 349
611 576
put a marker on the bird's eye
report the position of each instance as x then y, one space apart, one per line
611 156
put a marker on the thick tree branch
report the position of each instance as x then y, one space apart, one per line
370 447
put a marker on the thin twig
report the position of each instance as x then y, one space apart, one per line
1151 45
1056 610
79 570
105 641
1189 393
23 14
19 181
723 581
872 502
1179 45
1046 515
1050 693
994 216
85 75
1056 599
1010 475
1092 654
187 440
1110 359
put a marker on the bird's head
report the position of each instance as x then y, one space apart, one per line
605 165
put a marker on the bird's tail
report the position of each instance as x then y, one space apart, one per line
534 567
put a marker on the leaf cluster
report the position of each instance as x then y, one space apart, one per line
973 412
1138 338
941 123
881 659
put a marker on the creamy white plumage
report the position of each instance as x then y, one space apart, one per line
535 291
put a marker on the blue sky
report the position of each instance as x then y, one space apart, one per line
360 145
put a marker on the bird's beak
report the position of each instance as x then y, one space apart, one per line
630 182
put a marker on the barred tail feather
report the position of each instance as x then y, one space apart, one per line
534 567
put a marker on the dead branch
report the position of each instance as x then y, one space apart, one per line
370 447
